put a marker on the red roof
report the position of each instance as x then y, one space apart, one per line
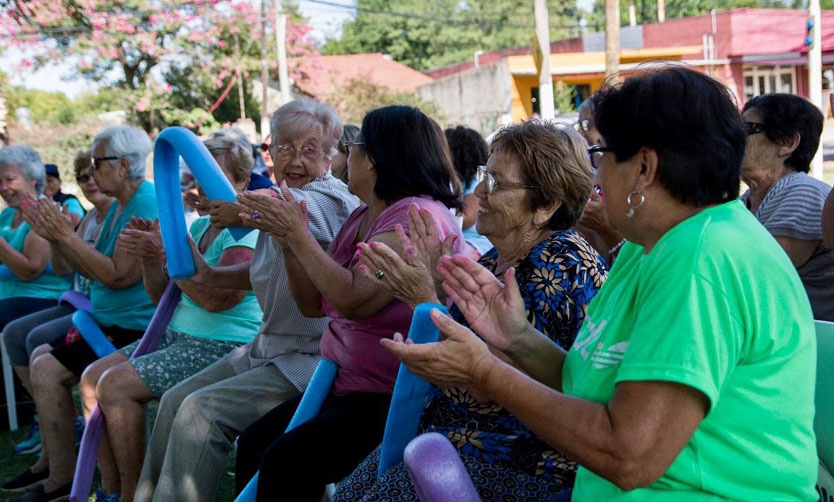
326 73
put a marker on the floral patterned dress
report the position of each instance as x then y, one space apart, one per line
506 461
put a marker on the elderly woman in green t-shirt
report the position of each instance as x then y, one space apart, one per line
692 376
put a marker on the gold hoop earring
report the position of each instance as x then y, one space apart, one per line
631 205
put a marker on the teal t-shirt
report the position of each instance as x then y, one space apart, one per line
237 324
47 285
73 206
718 306
129 307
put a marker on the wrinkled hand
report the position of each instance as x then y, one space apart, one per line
143 240
494 310
460 360
282 217
47 219
193 200
225 214
594 217
424 239
406 279
201 268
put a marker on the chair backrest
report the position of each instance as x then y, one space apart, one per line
824 393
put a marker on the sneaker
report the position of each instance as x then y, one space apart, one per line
104 497
25 480
79 429
38 494
32 443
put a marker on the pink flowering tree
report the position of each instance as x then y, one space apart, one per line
145 47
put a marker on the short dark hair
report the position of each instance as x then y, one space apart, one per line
468 149
688 118
783 117
410 156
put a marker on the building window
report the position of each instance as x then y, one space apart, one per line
766 79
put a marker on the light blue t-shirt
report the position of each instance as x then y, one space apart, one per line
471 234
237 324
129 307
47 285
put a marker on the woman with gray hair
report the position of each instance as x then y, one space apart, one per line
120 305
208 322
199 418
24 286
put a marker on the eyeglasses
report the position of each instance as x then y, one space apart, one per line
83 178
350 144
491 184
98 160
287 152
264 147
754 128
583 125
595 154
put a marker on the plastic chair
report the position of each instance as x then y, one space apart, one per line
824 403
72 297
406 401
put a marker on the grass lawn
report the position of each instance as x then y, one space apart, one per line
11 464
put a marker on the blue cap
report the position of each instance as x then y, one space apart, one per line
52 170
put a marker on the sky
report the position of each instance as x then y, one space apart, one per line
326 21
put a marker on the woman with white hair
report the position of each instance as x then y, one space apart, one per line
208 322
24 286
120 305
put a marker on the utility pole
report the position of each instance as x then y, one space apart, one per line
239 79
612 37
815 74
545 77
264 76
281 40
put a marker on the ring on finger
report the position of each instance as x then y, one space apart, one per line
380 274
256 215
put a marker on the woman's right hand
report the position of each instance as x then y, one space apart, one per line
225 214
494 310
47 219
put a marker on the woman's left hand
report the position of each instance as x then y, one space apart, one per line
47 220
143 240
407 280
281 217
460 360
424 240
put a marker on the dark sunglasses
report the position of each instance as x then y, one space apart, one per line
98 160
754 128
83 178
264 147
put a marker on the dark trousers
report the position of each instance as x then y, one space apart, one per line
297 465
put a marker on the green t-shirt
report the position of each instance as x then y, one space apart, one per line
716 306
47 285
237 324
129 307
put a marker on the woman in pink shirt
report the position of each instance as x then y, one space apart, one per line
399 159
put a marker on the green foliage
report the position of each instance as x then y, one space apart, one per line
646 10
447 31
354 98
563 98
44 107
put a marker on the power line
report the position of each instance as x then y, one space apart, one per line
426 17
